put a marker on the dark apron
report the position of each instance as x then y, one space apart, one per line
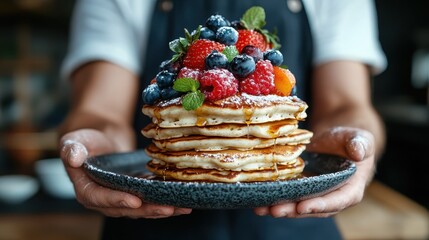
295 36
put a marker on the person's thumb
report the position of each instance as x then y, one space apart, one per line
352 143
77 146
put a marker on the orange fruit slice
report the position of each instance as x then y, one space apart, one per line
284 81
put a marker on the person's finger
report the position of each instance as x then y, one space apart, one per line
284 210
146 211
262 211
352 143
73 153
90 194
317 215
95 142
182 211
344 197
360 146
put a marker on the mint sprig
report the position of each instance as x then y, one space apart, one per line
230 52
194 97
193 100
254 19
180 46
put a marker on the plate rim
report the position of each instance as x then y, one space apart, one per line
200 187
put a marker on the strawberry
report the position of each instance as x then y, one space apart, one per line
198 51
252 38
253 33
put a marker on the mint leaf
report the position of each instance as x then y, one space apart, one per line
271 38
188 35
230 52
186 85
175 46
254 18
196 33
184 44
193 100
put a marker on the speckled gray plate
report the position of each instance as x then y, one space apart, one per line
122 172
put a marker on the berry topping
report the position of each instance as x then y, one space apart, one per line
237 25
274 56
169 93
198 51
208 34
261 81
242 65
254 19
251 37
189 73
294 91
227 35
170 66
165 79
217 21
218 83
151 94
253 51
216 60
284 81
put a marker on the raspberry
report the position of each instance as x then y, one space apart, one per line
261 81
189 73
218 84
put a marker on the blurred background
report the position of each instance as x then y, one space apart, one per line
33 101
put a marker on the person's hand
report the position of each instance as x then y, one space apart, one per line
79 145
352 143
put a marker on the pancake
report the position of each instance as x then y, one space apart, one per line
240 109
263 130
277 172
203 143
234 160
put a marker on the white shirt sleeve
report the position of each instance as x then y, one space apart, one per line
109 30
345 30
116 31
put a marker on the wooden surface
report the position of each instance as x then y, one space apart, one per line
383 214
50 227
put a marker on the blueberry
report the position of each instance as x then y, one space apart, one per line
294 91
275 56
169 93
227 35
253 51
165 79
242 65
170 66
151 94
206 33
216 60
214 22
237 25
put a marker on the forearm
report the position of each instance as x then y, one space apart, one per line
103 98
346 102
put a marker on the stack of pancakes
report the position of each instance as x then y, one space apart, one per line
242 138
